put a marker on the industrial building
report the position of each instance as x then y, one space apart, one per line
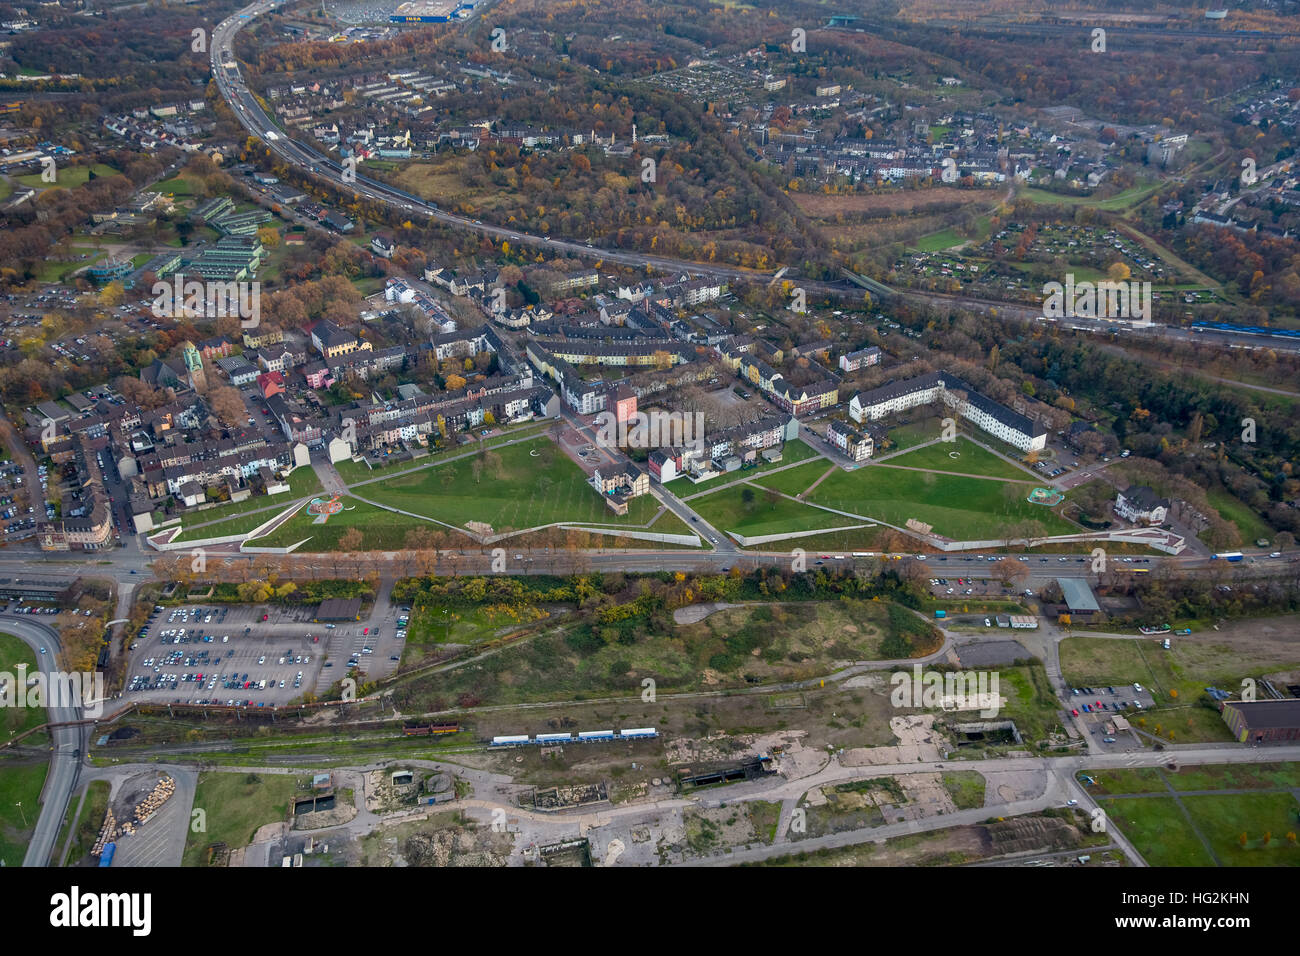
1263 721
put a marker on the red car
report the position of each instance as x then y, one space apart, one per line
1075 712
316 639
266 617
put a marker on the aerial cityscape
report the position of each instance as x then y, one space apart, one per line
630 434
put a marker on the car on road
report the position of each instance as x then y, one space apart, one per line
42 650
1075 712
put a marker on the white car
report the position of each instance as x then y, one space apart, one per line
1137 687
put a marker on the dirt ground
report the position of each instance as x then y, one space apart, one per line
918 742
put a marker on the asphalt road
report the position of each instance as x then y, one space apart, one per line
69 743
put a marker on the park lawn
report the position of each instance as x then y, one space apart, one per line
1255 776
381 530
797 480
1250 525
13 719
1128 198
515 490
236 805
726 510
971 460
911 435
19 783
1158 830
354 472
937 241
180 187
966 787
1120 782
957 507
240 524
302 482
68 176
1224 818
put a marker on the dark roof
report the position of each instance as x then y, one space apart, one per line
339 609
1143 498
1267 714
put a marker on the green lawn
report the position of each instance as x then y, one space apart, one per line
511 487
1124 200
936 241
1264 818
215 522
235 805
1230 508
971 460
19 783
957 507
381 530
180 187
67 177
727 510
15 720
797 480
1158 830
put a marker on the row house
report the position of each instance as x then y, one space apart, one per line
862 358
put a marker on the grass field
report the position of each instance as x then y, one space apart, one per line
727 510
1124 200
236 804
796 481
1239 829
180 187
957 507
1157 828
971 460
937 241
14 720
215 522
1231 508
19 783
512 487
67 177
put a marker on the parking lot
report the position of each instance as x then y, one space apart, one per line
227 655
1098 706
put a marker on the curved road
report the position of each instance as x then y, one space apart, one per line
69 742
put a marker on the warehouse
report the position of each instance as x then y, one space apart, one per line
1263 721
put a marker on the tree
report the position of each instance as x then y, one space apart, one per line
747 496
226 403
351 539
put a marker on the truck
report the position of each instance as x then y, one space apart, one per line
106 857
940 614
1227 556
